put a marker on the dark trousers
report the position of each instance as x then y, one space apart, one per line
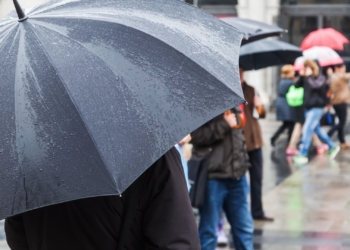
256 176
341 110
285 125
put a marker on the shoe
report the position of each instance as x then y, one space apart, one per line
300 159
222 238
264 218
344 146
333 152
322 148
292 151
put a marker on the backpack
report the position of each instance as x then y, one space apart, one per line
295 96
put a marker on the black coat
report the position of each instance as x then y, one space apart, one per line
163 220
315 91
284 111
227 148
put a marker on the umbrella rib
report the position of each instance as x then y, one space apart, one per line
17 181
110 66
6 34
153 37
89 50
77 109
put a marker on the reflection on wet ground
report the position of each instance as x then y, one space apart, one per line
310 204
311 208
277 240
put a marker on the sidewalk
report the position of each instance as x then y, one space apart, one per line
311 204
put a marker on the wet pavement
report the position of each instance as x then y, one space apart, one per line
311 204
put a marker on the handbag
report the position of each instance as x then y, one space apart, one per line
198 175
328 119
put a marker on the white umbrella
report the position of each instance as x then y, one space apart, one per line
324 55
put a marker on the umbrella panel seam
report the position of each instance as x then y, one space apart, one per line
77 109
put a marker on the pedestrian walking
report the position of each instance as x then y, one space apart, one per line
316 92
292 149
252 131
285 113
340 99
98 223
226 187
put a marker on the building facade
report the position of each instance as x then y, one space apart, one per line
299 17
309 15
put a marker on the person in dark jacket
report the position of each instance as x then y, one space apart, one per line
254 110
315 99
285 113
163 219
226 187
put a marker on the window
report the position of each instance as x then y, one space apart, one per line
299 27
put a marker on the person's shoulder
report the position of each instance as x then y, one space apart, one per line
286 81
344 76
337 77
169 159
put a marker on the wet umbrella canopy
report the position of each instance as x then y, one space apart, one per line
93 92
266 53
254 30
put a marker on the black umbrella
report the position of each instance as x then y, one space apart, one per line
266 53
93 92
254 30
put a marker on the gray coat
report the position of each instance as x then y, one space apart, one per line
227 148
284 111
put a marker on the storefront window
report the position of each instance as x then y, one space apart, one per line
299 27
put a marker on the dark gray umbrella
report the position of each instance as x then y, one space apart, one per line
93 92
254 30
266 53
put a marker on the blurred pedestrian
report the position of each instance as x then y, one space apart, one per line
285 113
252 132
179 147
292 149
340 98
101 222
226 187
315 99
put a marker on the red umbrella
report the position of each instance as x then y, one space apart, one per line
327 37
